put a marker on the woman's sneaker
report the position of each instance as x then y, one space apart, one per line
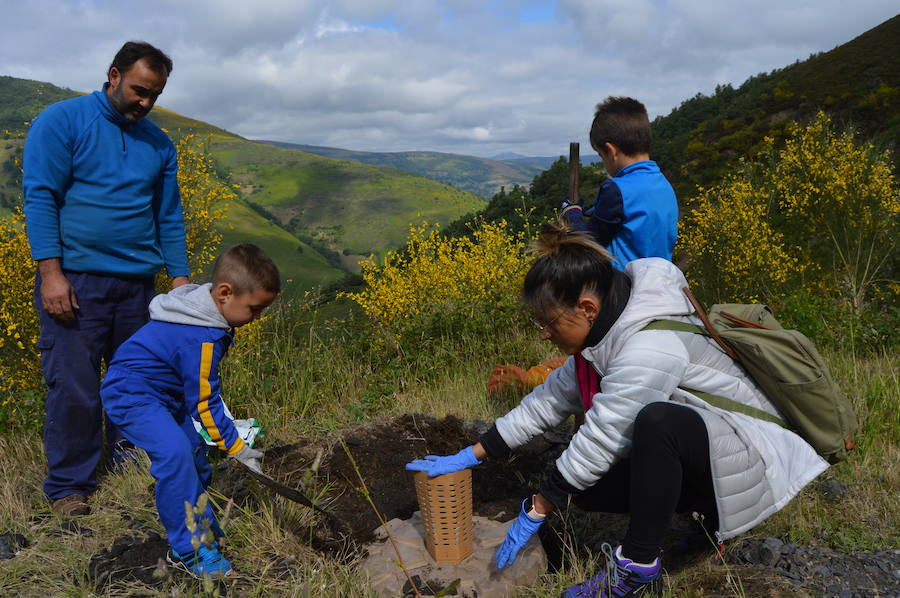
206 561
623 578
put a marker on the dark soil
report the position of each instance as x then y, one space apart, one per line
380 451
134 557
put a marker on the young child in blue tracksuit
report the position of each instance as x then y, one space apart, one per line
168 373
635 214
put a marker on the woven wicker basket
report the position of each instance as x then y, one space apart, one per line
445 502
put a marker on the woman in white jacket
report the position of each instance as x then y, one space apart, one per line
649 446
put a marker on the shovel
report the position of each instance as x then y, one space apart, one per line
289 493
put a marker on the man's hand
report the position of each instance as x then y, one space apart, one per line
434 465
250 457
179 280
57 293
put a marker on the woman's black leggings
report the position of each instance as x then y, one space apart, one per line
667 472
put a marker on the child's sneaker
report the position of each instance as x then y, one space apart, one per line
623 578
206 561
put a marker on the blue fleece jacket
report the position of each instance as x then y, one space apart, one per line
101 193
174 361
634 216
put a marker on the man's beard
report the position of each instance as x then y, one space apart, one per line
117 99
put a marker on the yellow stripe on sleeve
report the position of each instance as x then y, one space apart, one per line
206 418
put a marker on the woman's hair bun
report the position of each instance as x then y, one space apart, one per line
558 236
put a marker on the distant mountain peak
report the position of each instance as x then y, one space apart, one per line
508 156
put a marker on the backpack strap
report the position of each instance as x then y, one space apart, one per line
705 319
714 400
732 405
676 326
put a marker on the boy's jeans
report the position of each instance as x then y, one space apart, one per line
111 309
177 452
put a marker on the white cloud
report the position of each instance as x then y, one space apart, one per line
455 75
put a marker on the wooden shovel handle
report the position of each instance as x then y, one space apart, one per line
574 168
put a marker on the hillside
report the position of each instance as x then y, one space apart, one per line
480 175
857 83
350 207
327 207
302 267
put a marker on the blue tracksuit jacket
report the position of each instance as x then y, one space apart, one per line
101 193
159 379
634 216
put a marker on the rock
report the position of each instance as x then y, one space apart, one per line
833 491
821 571
10 544
765 553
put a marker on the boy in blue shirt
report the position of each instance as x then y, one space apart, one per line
168 373
635 214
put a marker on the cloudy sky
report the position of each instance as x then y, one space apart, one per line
478 77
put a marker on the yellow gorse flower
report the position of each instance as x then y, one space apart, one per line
432 274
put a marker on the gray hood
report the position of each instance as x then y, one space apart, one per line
188 304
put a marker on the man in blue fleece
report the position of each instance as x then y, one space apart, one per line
635 214
103 215
168 373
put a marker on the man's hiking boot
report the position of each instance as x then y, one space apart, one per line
73 505
623 578
207 561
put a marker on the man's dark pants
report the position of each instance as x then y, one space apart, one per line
110 309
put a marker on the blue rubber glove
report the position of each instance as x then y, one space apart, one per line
434 465
518 535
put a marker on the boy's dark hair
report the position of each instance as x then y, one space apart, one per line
569 263
246 268
624 123
133 51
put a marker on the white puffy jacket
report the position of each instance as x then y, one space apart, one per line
757 466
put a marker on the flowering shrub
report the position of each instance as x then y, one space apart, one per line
202 193
736 254
436 278
19 358
840 200
819 215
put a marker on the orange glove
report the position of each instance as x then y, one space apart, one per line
538 374
505 378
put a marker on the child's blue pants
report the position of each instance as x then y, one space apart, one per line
177 452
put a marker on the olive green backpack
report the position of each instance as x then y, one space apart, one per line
786 366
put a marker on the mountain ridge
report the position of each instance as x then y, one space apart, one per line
484 176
